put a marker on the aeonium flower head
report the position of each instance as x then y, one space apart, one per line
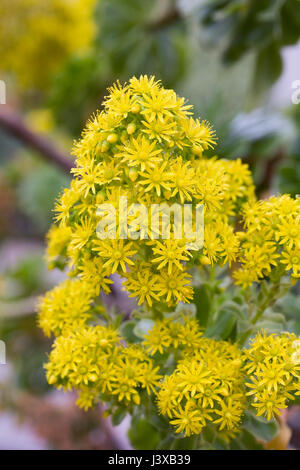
146 149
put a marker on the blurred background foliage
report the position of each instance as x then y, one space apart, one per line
235 60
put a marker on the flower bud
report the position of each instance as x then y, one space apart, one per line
131 128
101 196
112 138
135 108
133 174
197 150
167 194
104 146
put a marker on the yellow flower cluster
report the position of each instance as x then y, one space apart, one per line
35 36
95 362
271 239
146 146
205 388
167 334
65 307
273 366
209 384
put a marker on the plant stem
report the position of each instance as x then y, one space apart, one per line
271 297
212 273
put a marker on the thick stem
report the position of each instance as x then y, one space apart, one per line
271 297
13 124
269 300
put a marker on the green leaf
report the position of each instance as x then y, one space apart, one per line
294 327
160 422
203 302
223 325
166 443
261 428
245 441
185 443
290 306
268 67
290 22
208 435
272 322
269 326
118 416
127 331
274 317
142 435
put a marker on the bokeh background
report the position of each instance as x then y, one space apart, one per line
237 61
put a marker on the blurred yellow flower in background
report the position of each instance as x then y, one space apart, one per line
36 37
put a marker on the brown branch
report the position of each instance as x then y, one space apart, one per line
172 16
18 308
13 124
269 173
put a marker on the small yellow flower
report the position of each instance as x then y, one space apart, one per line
144 286
117 254
156 178
160 130
175 286
82 233
291 259
269 404
169 254
157 339
230 413
187 420
139 152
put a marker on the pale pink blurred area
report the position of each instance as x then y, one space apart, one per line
18 436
